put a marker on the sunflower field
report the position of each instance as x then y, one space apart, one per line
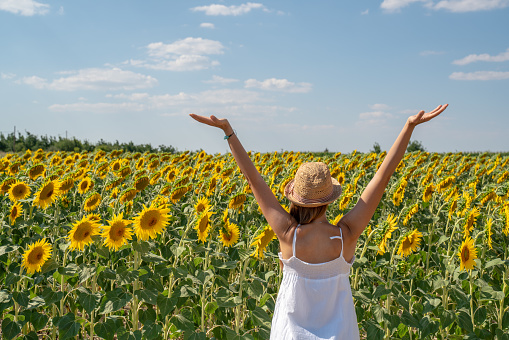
173 246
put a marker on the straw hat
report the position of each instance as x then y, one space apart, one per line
313 186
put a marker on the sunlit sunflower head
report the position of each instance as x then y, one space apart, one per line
117 232
237 201
426 196
128 195
202 205
410 243
6 185
36 171
262 241
150 222
230 235
35 256
141 183
467 254
92 202
47 194
66 184
81 233
15 212
337 219
203 225
85 185
94 218
178 193
19 191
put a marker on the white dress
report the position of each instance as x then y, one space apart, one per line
315 300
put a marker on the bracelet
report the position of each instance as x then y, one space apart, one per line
226 137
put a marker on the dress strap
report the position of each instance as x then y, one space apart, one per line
333 237
294 239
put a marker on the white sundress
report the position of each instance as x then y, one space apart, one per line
315 300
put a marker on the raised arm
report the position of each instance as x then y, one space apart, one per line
358 218
274 213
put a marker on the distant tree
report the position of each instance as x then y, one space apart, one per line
376 148
415 145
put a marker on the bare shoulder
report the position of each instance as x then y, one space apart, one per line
348 236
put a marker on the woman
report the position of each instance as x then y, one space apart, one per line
315 300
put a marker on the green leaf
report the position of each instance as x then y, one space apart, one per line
88 300
49 265
195 336
183 322
147 295
408 320
465 321
227 265
5 296
70 270
38 320
380 291
431 304
106 330
166 305
68 327
150 257
373 330
494 262
480 315
211 307
51 297
7 249
36 302
31 336
261 317
148 315
255 289
87 272
10 329
425 327
11 279
113 301
21 298
152 330
446 318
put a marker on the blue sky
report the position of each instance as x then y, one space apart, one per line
289 75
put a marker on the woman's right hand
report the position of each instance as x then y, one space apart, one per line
223 124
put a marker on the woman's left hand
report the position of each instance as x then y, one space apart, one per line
422 116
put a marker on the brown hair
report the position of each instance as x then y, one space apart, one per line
305 215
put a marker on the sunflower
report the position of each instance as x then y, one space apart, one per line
445 184
117 233
6 185
262 241
36 171
411 212
203 225
398 195
115 165
155 177
337 219
212 186
150 222
94 217
15 212
237 201
426 196
35 256
178 193
170 176
467 254
81 233
128 195
489 232
47 194
92 202
141 183
66 184
230 235
410 243
85 185
19 191
392 222
202 205
345 199
469 221
14 168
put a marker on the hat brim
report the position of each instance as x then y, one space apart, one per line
302 202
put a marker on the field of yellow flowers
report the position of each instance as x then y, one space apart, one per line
173 246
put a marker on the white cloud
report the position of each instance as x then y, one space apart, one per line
189 54
450 5
97 107
207 25
366 12
504 56
24 7
379 107
396 5
111 79
220 80
479 75
61 10
216 9
7 75
470 5
282 85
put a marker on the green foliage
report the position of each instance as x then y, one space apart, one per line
415 145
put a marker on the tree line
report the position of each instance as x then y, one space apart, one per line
28 141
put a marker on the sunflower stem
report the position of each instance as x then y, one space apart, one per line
237 308
501 310
366 243
471 279
135 288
